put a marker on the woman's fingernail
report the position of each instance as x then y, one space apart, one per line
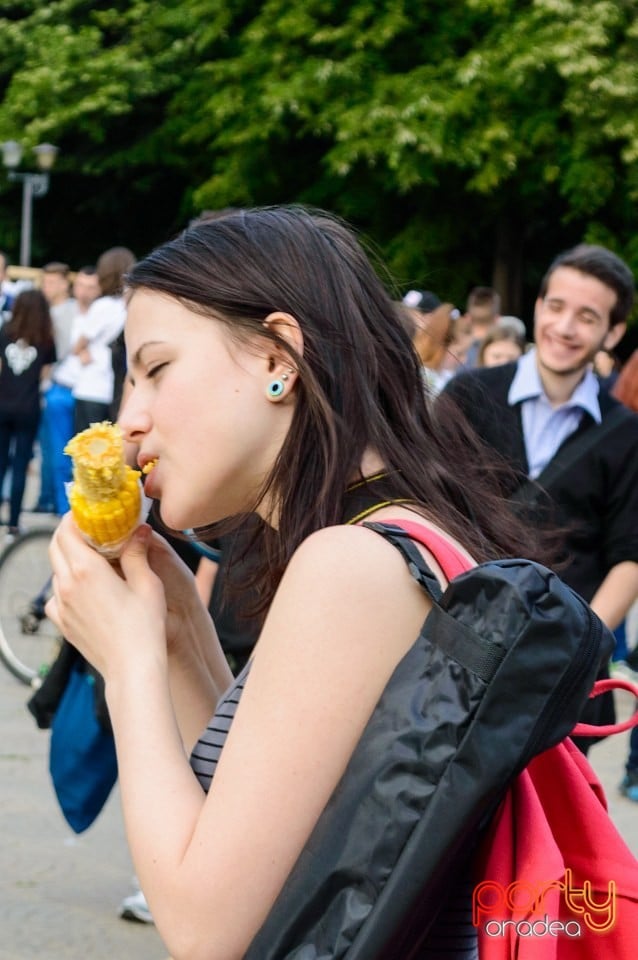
141 534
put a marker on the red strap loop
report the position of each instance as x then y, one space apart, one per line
602 686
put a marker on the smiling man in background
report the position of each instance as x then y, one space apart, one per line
573 448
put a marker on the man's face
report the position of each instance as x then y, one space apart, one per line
483 316
55 287
571 322
86 289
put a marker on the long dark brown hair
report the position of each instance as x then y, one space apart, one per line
31 319
359 382
111 267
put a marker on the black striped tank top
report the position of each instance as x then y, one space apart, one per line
453 936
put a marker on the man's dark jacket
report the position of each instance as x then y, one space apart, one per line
594 500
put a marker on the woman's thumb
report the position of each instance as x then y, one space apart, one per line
134 556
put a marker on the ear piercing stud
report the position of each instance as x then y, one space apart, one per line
276 388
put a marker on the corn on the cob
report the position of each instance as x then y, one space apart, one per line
105 495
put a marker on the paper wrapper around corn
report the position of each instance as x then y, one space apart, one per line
106 494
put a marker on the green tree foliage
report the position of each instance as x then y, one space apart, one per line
95 79
471 139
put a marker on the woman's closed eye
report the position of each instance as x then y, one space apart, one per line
153 371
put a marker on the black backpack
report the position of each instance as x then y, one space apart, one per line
500 672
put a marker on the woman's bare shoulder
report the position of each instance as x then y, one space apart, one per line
350 554
347 595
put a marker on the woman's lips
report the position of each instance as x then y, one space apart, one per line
149 477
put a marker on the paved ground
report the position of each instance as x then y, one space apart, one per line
59 892
608 759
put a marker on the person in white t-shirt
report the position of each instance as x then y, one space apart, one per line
58 409
57 398
93 389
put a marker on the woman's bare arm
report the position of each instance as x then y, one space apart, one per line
346 612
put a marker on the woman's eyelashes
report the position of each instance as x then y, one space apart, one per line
153 371
147 374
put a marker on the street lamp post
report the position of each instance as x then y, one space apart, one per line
33 185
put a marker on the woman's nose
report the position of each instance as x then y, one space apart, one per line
132 418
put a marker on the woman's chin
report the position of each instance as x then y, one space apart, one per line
180 519
174 519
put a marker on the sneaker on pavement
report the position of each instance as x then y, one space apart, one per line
628 786
135 907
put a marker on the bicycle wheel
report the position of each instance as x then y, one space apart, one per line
29 642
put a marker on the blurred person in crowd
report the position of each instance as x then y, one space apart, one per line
99 335
607 367
86 288
626 386
483 310
6 294
501 345
55 284
59 403
513 323
455 358
432 332
27 350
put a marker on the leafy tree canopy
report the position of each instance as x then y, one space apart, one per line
471 139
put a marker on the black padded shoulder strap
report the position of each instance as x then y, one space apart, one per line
417 566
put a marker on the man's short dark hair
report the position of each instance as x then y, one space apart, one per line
57 267
89 271
484 297
604 265
4 258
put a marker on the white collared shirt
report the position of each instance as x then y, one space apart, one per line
546 427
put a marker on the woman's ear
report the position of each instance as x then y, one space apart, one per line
281 365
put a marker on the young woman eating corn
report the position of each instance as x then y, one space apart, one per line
268 373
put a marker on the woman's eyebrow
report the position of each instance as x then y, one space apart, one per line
137 357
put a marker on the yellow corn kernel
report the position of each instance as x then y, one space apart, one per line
105 494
